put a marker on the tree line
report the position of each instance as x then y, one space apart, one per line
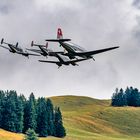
18 114
128 97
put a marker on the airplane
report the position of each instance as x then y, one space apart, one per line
64 61
16 49
74 50
43 50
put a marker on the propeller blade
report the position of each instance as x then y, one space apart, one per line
17 44
2 40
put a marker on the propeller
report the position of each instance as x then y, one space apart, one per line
32 43
2 40
46 45
16 44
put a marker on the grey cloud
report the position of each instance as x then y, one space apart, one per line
91 24
136 3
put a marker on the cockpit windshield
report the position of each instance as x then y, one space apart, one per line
75 47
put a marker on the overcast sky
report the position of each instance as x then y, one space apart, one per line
93 25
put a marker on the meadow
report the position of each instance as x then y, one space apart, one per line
92 119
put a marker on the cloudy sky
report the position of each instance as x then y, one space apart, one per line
93 25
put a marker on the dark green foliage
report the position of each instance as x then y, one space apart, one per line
59 128
130 97
119 98
30 113
2 97
42 118
10 117
50 112
31 135
19 115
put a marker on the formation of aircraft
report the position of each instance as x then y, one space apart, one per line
71 55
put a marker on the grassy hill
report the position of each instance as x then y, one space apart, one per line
91 119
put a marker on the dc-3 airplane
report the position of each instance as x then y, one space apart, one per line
74 50
16 49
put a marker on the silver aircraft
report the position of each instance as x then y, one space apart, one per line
63 61
74 50
16 49
43 50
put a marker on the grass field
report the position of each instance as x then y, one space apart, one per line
91 119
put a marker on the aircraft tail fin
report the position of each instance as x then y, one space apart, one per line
59 34
59 37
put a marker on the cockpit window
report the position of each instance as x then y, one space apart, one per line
75 47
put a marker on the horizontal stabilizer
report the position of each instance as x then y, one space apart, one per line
58 40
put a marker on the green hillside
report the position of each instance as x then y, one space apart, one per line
88 118
91 119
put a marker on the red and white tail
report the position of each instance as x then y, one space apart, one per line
59 34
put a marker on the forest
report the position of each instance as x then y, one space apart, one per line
128 97
18 114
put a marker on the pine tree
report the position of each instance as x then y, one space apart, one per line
135 98
19 115
128 93
50 110
119 98
31 135
2 97
9 117
59 128
114 100
42 117
30 113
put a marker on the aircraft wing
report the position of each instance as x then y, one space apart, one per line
4 47
34 54
96 51
70 61
77 60
48 61
24 53
34 50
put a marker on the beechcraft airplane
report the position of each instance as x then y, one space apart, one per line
43 50
16 49
74 50
63 61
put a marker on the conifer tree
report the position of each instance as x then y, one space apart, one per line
135 98
50 112
58 123
9 120
128 93
42 117
19 115
2 98
114 100
119 98
30 113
